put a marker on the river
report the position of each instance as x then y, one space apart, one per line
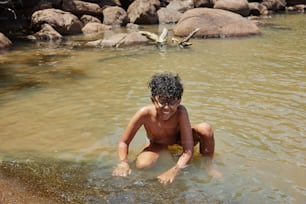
63 109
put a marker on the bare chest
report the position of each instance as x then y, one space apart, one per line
162 132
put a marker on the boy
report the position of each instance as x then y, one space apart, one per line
166 123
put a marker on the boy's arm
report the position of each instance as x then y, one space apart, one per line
187 143
135 123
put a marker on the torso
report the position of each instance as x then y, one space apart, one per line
160 131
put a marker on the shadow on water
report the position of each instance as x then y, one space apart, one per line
38 70
77 182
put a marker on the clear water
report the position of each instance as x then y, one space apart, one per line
63 109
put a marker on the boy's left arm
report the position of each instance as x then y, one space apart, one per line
187 143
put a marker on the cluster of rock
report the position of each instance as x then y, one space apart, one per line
52 20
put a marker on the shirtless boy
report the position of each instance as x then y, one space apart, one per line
166 122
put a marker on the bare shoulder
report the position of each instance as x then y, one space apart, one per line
146 110
182 109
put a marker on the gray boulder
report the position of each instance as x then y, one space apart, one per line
214 23
115 15
120 40
144 12
166 15
63 22
95 28
80 8
237 6
47 33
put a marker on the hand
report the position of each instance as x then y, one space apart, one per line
122 169
168 176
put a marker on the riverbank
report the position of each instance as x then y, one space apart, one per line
55 20
14 192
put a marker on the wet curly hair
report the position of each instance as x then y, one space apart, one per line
166 85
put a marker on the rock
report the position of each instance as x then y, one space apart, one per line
214 23
47 33
115 15
203 3
237 6
80 8
63 22
295 2
95 28
166 15
181 5
257 9
144 12
120 40
4 42
275 5
89 19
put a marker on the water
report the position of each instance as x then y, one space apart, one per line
64 108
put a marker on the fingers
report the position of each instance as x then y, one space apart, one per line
120 171
164 180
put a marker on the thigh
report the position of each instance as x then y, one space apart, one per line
150 154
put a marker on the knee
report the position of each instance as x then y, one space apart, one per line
206 130
142 163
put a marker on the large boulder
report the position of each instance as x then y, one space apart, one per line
63 22
95 28
120 40
144 12
166 15
47 33
258 9
275 5
181 5
4 42
89 19
115 15
80 8
214 23
237 6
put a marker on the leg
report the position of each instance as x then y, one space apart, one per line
204 134
148 157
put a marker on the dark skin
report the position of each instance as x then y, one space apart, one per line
163 123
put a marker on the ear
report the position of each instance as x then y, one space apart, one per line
152 99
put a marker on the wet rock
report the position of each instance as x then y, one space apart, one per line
95 28
4 42
237 6
115 15
63 22
120 40
80 8
214 23
144 11
166 15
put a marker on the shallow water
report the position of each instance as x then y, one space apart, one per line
63 109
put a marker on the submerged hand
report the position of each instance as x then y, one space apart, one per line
122 169
168 176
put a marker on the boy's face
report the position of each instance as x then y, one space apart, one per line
165 107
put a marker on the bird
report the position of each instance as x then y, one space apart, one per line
185 42
161 39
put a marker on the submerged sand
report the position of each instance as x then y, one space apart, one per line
13 192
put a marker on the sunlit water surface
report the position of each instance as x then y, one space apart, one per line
63 110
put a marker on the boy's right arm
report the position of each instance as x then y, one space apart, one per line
123 168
